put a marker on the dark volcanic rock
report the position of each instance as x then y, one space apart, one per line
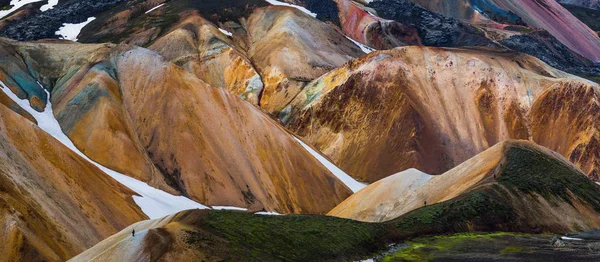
326 10
434 29
548 49
438 30
45 24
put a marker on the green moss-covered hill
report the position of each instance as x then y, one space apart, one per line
532 190
529 185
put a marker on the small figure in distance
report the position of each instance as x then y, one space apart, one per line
133 233
425 203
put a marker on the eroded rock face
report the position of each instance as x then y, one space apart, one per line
200 48
290 49
577 107
54 204
431 108
15 74
434 29
374 31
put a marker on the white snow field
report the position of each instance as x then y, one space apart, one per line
274 2
49 5
350 182
265 213
154 8
154 203
225 32
71 31
16 5
362 47
229 208
571 238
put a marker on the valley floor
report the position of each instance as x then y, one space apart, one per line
500 246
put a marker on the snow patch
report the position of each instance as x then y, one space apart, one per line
362 47
229 208
225 32
571 238
154 203
49 5
71 31
16 5
154 8
274 2
265 213
350 182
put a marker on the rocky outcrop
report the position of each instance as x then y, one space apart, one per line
15 74
202 49
469 10
593 4
290 48
434 29
374 31
548 49
41 25
432 109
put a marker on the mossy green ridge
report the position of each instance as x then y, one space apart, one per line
484 210
526 174
531 171
296 237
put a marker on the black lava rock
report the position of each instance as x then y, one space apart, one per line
434 29
45 24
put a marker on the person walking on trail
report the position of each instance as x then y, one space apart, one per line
425 203
133 233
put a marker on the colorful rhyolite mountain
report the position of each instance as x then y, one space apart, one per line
174 109
433 108
115 105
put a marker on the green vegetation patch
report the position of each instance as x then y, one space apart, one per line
296 237
498 244
484 209
531 171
